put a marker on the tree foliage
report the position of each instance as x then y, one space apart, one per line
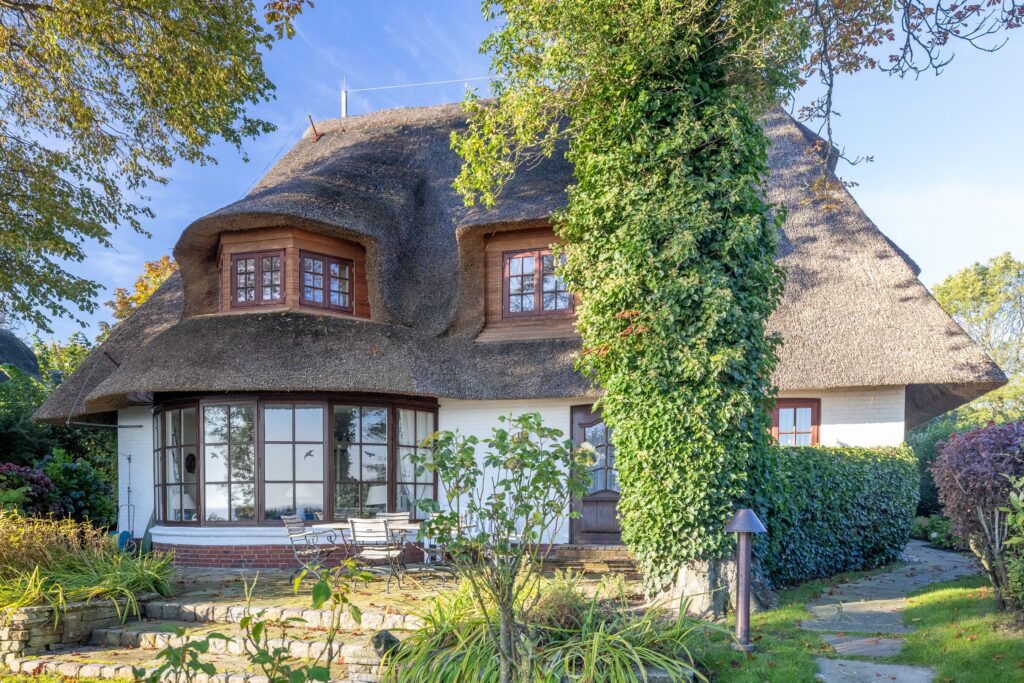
670 243
987 300
514 500
975 473
98 98
126 302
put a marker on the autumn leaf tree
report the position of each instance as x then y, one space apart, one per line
98 98
126 302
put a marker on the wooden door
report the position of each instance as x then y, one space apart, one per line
598 523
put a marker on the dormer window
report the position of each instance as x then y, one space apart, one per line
326 281
257 278
531 287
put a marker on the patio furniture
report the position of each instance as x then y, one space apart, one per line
373 541
308 544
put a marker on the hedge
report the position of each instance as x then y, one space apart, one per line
831 510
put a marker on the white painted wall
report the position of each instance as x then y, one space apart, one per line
849 417
135 442
859 417
478 417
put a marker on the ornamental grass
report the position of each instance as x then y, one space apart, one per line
595 639
45 561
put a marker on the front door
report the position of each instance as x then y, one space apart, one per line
598 522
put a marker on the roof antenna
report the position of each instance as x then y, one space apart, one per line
316 135
344 98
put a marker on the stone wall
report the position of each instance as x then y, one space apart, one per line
32 631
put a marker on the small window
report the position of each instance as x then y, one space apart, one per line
326 282
531 287
795 422
257 278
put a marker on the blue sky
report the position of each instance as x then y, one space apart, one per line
946 183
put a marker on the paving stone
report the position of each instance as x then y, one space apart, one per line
849 671
864 647
866 616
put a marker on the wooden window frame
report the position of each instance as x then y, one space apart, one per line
258 300
259 402
813 403
326 288
160 477
261 456
538 311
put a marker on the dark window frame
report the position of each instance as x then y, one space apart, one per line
538 312
261 456
160 476
258 257
259 402
813 403
325 288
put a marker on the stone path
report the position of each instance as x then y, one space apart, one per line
865 617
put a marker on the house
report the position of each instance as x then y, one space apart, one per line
349 305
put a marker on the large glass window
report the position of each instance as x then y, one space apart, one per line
531 287
257 278
413 427
250 460
229 444
174 434
360 460
326 281
293 457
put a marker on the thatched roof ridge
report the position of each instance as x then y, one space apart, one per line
15 352
854 313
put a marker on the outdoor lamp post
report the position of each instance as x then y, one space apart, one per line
743 523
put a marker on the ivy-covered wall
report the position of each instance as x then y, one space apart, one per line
830 510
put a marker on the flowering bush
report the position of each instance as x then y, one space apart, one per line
974 474
28 489
80 490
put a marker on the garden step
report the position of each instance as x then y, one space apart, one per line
373 618
117 663
350 647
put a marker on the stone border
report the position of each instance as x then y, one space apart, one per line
34 630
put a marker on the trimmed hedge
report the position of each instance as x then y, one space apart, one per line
831 510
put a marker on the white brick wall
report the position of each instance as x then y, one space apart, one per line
136 442
478 417
859 417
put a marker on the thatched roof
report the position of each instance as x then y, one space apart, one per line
854 313
15 352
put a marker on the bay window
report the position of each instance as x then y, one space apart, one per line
252 460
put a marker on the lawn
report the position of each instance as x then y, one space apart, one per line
958 633
961 636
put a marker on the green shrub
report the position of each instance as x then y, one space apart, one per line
922 440
936 530
832 510
81 488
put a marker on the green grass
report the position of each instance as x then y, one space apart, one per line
960 634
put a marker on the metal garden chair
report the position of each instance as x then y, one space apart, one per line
373 542
309 546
